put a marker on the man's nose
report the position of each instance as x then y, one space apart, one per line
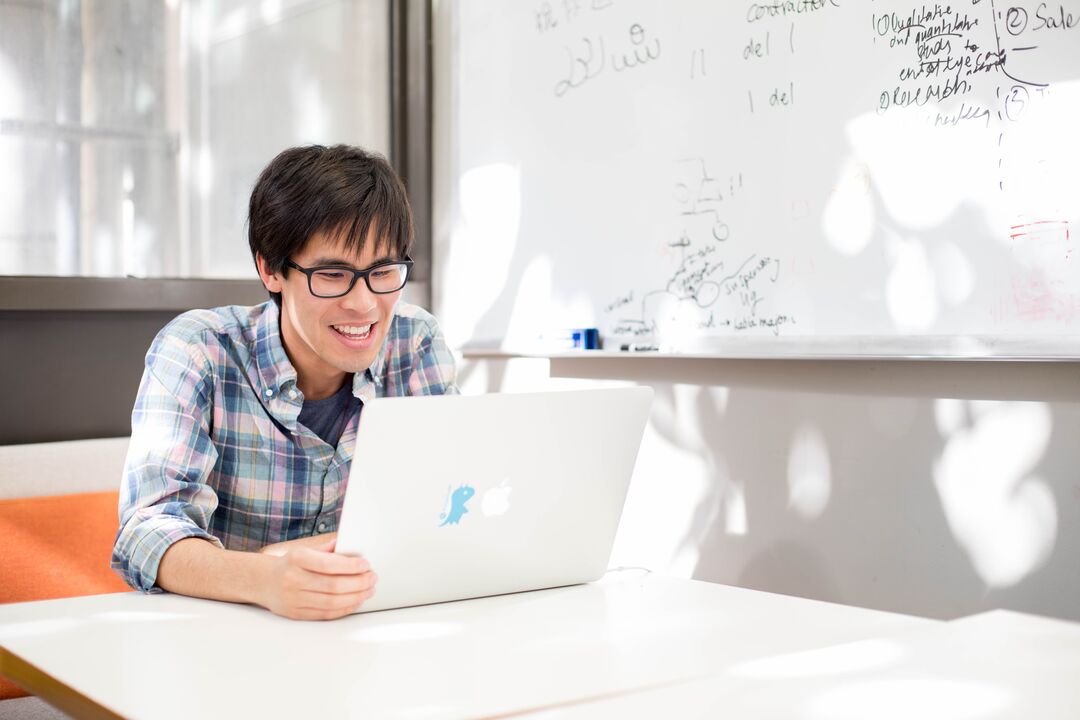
360 299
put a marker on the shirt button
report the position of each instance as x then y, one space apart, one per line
269 392
322 527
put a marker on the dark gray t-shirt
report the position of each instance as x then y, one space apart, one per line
327 417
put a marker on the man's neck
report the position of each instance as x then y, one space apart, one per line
315 379
322 388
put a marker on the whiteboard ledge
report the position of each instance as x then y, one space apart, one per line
1065 348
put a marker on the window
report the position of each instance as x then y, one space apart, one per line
132 131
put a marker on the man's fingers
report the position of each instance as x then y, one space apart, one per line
317 615
327 607
327 544
323 602
331 542
316 584
339 584
328 563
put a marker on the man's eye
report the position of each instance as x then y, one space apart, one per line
331 274
379 274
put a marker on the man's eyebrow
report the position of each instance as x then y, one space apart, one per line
329 260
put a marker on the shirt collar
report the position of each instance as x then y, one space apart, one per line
378 365
369 384
275 369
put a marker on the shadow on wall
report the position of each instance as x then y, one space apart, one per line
957 492
838 505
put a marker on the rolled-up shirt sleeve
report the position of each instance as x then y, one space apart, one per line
164 495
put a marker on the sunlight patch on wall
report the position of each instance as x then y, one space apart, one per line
848 220
919 194
910 291
1003 516
809 472
685 415
481 247
953 272
736 521
531 312
655 531
720 397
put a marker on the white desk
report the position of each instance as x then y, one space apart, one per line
167 656
994 665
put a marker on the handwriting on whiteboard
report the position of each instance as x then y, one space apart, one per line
712 286
590 57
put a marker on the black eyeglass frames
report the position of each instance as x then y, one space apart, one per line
331 281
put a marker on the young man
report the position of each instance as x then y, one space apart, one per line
246 417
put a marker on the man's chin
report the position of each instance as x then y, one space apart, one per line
355 367
354 362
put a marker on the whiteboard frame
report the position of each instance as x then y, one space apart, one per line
960 348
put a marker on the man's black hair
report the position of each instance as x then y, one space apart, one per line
341 191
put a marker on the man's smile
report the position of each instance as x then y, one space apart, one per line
356 335
354 332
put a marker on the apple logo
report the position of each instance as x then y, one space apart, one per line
496 500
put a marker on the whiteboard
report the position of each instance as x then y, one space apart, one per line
790 178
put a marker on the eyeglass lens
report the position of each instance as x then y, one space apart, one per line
332 282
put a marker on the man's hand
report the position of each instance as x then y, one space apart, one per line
308 581
301 579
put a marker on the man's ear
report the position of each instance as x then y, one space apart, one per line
271 280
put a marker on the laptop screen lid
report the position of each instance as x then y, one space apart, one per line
458 496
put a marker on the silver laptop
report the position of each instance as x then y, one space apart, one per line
459 497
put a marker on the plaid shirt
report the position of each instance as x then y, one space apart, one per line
216 451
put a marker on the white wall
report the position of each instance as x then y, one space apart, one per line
933 488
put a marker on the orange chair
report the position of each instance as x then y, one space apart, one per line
55 546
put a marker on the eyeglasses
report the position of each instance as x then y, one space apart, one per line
331 281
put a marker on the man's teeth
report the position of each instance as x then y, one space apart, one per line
354 330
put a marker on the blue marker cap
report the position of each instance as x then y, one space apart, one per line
585 338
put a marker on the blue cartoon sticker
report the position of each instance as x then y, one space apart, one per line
457 501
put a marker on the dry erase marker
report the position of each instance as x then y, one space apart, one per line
586 338
578 339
